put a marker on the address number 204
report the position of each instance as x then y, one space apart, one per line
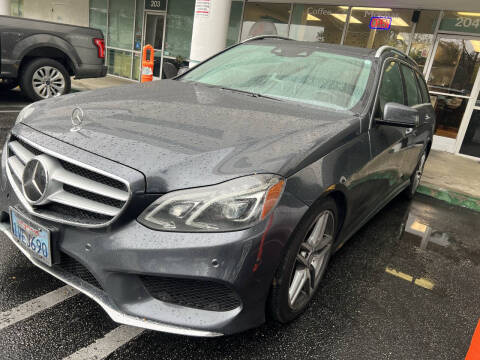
466 22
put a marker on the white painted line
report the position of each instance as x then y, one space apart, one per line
9 111
103 347
35 306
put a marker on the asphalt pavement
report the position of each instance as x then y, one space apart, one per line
404 287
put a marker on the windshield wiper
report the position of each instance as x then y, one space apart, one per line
253 94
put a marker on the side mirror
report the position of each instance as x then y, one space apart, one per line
395 114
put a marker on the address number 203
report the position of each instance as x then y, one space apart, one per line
155 3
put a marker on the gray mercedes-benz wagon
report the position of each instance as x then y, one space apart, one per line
200 204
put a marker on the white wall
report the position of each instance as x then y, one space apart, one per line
4 7
73 12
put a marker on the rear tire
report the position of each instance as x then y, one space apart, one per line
416 177
44 78
308 254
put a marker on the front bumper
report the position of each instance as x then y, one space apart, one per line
104 301
122 254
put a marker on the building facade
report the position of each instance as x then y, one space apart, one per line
442 36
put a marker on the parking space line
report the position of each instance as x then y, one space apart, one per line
103 347
9 111
35 306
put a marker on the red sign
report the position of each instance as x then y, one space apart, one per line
380 22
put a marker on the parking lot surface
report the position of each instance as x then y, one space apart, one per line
404 287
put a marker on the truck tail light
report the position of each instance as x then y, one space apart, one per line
100 43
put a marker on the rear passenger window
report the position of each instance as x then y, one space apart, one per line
411 86
391 89
423 89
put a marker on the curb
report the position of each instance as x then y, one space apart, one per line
450 196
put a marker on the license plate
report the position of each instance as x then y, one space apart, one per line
33 237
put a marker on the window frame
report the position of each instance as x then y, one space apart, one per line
421 80
417 86
376 103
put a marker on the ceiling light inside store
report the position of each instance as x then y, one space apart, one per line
367 8
398 21
463 13
343 18
476 45
311 17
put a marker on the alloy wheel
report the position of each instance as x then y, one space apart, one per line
48 82
311 260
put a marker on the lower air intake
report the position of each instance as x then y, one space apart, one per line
198 294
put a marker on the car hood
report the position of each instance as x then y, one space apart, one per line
182 135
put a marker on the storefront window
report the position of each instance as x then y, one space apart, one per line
179 28
121 14
424 36
455 66
461 21
235 22
318 23
119 62
397 35
471 142
137 58
137 42
449 111
98 15
16 8
265 19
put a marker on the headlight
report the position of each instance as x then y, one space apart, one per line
233 205
26 111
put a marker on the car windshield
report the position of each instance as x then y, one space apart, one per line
296 73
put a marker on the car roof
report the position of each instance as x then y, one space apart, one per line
294 45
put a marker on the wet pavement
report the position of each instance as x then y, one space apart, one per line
405 286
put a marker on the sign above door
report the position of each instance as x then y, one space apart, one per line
160 5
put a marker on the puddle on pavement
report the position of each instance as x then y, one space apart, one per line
429 242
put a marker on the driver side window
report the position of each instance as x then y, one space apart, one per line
391 88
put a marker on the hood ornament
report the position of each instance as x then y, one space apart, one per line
77 119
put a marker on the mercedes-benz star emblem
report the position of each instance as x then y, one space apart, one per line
77 119
35 181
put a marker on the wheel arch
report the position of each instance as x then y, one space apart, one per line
47 46
49 52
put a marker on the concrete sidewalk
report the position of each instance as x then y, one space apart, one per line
452 178
99 83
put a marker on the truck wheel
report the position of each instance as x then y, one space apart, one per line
44 78
8 84
298 275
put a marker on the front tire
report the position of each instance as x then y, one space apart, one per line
44 78
298 275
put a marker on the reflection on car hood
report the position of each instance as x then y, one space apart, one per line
185 135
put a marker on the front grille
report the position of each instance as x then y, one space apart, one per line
72 266
198 294
82 196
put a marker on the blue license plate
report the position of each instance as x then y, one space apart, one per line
31 236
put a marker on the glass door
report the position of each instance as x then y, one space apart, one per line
470 146
154 34
452 76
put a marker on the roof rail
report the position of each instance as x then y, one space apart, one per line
384 48
265 37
